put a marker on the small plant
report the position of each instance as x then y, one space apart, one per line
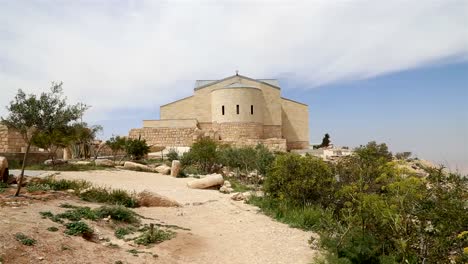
172 155
51 216
37 187
136 148
62 184
118 213
153 235
105 195
79 212
67 205
121 232
79 228
25 240
52 229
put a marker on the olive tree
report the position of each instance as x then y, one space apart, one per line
32 115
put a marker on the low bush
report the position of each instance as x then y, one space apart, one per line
121 232
172 155
78 213
136 148
63 184
109 196
25 240
118 213
153 235
79 228
37 187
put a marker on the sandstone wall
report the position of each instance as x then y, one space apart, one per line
272 132
167 137
175 123
297 145
295 118
230 98
273 144
237 130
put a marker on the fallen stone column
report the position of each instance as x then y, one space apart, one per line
208 181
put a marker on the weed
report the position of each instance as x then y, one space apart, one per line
79 212
52 229
79 228
37 187
51 216
109 196
237 186
25 240
118 213
121 232
112 245
67 205
62 184
135 252
154 236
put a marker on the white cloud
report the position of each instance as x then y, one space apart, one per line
142 54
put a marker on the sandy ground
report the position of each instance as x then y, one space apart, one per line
221 230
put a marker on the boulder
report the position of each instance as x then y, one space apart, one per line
136 166
55 162
4 169
163 169
238 196
207 182
175 169
225 189
104 162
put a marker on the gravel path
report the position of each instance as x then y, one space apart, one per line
221 230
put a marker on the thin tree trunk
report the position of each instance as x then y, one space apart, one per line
20 182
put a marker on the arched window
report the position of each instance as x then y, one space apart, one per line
237 109
222 109
251 109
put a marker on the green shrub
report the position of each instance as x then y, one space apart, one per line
203 154
121 232
25 240
300 180
52 229
37 187
51 216
172 155
136 148
118 213
79 228
153 236
78 213
109 196
63 184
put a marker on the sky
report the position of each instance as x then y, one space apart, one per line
390 71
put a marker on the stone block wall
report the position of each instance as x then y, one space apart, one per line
167 137
233 131
3 138
272 132
273 144
298 145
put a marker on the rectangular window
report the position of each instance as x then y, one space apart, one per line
237 109
222 109
251 109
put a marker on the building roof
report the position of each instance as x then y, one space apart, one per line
203 83
239 85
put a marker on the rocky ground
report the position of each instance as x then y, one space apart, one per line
216 229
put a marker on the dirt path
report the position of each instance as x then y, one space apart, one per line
221 230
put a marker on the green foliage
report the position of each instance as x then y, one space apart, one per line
51 216
109 196
246 159
37 187
136 148
3 186
172 155
118 213
121 232
79 228
25 240
153 236
116 144
325 141
300 180
78 213
32 115
66 167
52 229
63 184
374 212
203 154
403 155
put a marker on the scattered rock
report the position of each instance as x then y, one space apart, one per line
208 181
104 162
163 169
55 162
238 196
70 191
226 188
175 169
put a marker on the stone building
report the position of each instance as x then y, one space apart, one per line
237 110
